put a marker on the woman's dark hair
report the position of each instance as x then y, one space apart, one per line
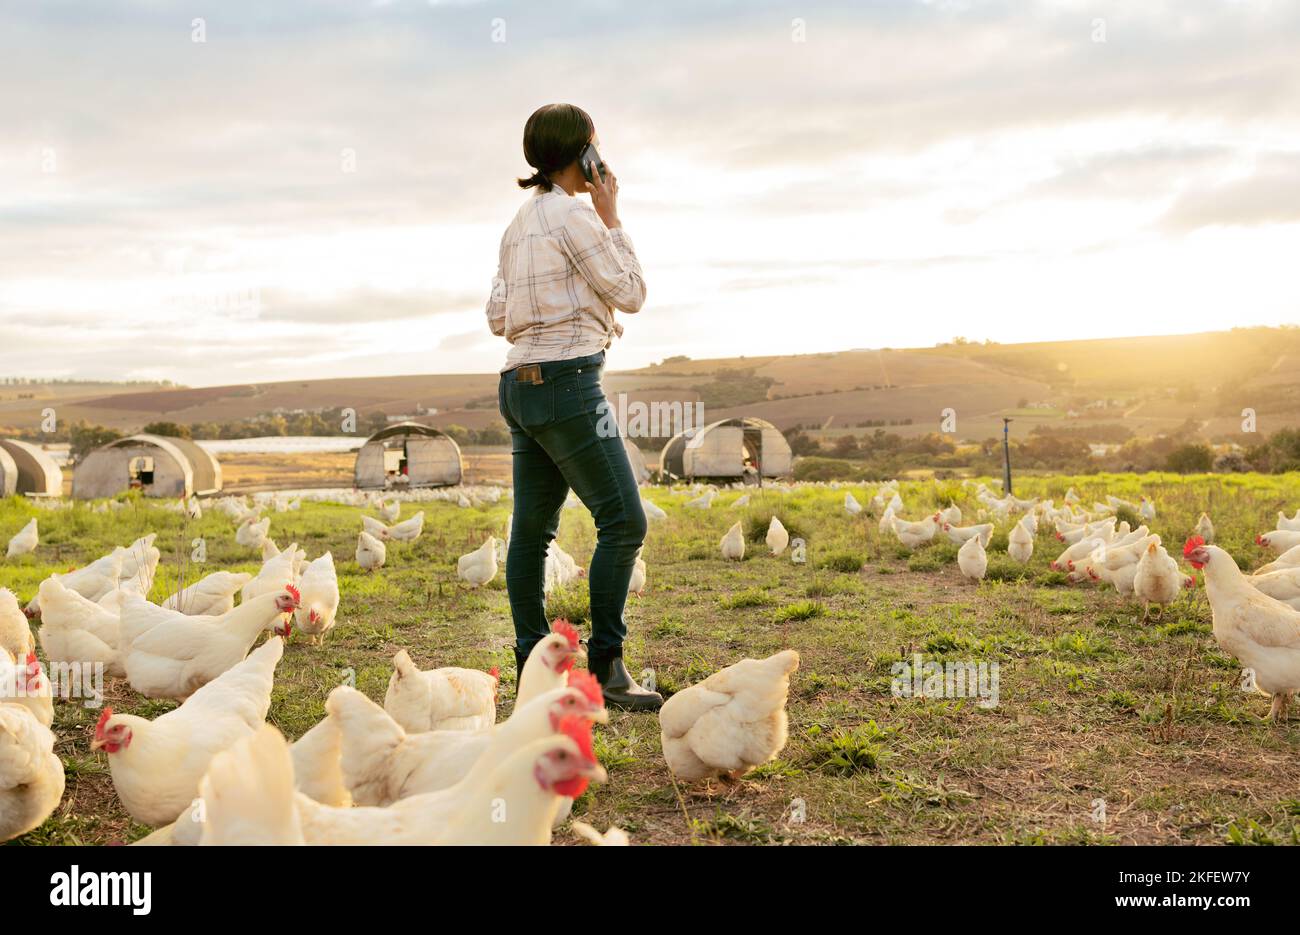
554 137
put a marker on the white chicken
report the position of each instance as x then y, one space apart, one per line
704 501
1204 528
210 595
533 779
371 553
15 633
449 698
167 654
95 581
1282 584
252 533
1020 542
731 722
31 774
733 544
24 540
1279 540
615 837
139 566
549 662
317 771
1261 633
276 574
318 602
248 794
479 567
972 559
408 530
1288 559
1157 578
959 534
777 537
1291 523
852 505
652 510
382 763
157 765
23 683
636 584
77 630
390 512
915 535
559 569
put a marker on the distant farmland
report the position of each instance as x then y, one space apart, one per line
1150 385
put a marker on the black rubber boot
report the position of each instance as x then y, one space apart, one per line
520 658
620 689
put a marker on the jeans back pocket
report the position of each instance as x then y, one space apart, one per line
533 404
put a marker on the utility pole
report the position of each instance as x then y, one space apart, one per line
1006 457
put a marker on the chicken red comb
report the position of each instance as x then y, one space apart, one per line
566 630
495 672
103 719
29 676
578 729
1193 543
586 683
297 595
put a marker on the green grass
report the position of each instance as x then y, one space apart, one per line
1093 704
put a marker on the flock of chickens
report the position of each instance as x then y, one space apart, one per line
432 765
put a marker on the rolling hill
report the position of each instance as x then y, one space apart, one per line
1144 384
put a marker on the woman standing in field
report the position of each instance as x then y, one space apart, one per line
565 265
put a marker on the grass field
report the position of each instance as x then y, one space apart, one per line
1095 707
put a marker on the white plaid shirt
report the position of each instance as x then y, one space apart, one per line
561 275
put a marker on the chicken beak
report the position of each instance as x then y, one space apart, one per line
98 743
595 772
600 716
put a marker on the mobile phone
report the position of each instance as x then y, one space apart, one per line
591 158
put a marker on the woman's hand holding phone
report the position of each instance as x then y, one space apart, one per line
604 196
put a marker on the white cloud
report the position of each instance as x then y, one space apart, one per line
910 172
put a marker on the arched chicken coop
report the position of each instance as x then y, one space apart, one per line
639 469
408 454
728 450
156 465
34 472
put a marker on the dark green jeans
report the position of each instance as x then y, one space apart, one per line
557 447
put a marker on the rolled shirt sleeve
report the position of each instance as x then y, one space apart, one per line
605 259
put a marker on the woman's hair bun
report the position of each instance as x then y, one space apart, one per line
536 180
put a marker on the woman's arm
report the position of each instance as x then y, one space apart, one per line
496 306
605 259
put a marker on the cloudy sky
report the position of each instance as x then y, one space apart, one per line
317 187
